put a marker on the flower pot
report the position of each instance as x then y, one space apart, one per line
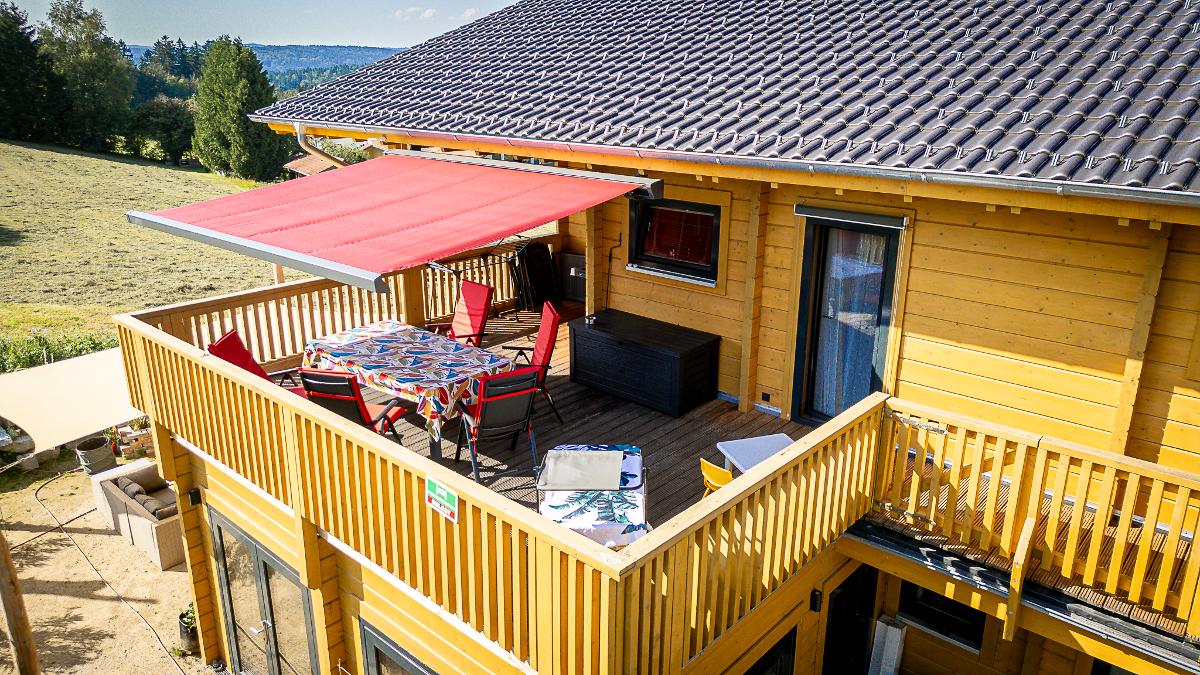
189 641
95 455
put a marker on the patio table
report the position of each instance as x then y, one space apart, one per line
407 362
744 453
610 517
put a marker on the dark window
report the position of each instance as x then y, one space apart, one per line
939 614
779 660
1101 668
678 238
384 657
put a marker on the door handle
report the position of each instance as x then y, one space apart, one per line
263 625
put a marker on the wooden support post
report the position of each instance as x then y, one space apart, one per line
752 299
1156 259
175 464
1016 580
19 632
277 272
318 577
594 255
1193 363
412 296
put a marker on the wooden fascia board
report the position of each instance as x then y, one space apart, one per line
907 188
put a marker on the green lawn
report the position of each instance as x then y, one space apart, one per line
68 258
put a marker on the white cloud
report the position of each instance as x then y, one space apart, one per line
414 12
467 14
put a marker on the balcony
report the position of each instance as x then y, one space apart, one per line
1098 526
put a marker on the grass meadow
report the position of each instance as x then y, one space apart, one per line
68 258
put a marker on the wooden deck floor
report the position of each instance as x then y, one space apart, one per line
672 446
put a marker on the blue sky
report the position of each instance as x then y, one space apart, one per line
376 23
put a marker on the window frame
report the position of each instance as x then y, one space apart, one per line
638 261
373 640
924 625
812 267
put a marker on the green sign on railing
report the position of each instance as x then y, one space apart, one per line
441 499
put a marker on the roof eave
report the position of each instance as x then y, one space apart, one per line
935 176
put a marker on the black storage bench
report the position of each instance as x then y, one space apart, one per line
659 365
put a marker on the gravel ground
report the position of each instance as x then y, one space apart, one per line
80 624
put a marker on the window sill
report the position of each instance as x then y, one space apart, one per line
908 621
674 276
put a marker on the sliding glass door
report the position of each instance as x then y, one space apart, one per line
848 282
268 613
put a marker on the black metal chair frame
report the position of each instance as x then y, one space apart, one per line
504 410
541 381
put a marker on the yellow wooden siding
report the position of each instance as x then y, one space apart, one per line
427 634
1166 420
719 310
1024 320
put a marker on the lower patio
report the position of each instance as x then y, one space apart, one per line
671 446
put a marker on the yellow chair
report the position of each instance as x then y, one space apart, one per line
715 477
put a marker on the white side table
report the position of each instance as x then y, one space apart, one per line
746 452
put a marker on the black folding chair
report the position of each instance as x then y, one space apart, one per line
503 410
339 393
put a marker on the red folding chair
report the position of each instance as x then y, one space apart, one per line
470 314
229 347
340 393
503 409
542 350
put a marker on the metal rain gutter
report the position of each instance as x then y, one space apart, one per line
640 186
934 176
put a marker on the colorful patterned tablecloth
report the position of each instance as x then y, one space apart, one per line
611 517
433 371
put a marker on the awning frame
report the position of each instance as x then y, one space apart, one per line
639 186
347 274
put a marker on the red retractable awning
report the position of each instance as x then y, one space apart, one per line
398 211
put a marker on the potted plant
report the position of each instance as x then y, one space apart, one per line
189 641
137 439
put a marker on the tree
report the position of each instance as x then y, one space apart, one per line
233 84
169 122
31 95
160 57
95 74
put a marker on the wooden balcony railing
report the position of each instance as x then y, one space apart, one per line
276 322
563 603
690 580
1056 511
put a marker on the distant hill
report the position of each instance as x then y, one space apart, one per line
281 58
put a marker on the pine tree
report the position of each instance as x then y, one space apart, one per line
233 84
31 95
97 78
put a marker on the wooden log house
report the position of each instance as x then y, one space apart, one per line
952 249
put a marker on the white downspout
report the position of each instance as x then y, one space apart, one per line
302 139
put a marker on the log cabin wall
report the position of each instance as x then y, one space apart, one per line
1165 424
716 310
1026 317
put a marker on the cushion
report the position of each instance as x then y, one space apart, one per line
153 483
129 487
231 348
166 511
149 503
